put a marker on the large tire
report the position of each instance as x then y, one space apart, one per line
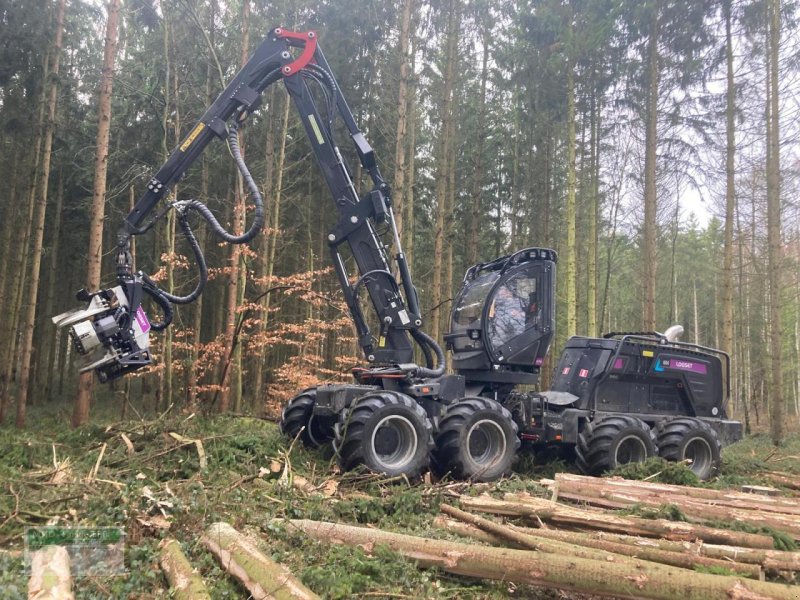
690 439
612 441
299 413
388 432
477 440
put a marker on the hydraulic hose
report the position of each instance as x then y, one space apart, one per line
423 339
164 298
255 194
166 307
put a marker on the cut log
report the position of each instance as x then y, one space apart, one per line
470 531
549 570
732 498
50 575
577 543
184 582
694 509
771 560
525 541
786 480
260 575
538 509
761 490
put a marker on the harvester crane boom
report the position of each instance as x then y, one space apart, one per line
396 306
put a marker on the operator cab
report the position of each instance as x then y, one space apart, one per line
503 319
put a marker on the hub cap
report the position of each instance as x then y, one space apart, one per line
486 441
394 441
698 451
631 449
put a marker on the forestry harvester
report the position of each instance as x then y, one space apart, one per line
618 399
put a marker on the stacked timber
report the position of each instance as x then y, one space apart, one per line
699 505
554 543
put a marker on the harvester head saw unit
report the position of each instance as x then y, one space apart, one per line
112 339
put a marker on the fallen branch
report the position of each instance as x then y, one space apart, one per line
262 577
185 583
50 575
626 580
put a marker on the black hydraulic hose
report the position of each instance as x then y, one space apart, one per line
162 297
424 339
426 351
201 265
205 212
166 307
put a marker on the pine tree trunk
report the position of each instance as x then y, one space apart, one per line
401 133
80 413
585 546
22 242
39 219
594 215
442 163
571 216
478 176
197 315
563 572
650 195
730 189
774 229
410 219
49 337
232 382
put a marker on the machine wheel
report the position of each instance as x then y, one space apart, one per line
613 441
477 440
388 432
298 413
685 438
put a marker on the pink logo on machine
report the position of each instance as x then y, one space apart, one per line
142 321
685 365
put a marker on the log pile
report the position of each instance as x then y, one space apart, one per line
699 505
553 543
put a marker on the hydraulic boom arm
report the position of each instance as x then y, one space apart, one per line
114 320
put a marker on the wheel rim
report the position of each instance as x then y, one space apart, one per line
698 451
631 449
486 442
394 441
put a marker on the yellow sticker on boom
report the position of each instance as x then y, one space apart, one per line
381 342
647 353
192 136
315 127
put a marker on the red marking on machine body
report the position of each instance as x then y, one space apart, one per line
306 40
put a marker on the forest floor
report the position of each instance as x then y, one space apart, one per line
153 480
